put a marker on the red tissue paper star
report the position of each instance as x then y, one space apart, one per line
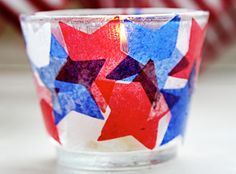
132 114
184 68
104 43
103 92
49 120
46 108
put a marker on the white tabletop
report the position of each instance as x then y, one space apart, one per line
210 145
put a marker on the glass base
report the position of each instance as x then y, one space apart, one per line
117 161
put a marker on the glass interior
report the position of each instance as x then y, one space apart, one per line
111 12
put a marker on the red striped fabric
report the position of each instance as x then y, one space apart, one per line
11 9
2 26
9 14
222 25
221 32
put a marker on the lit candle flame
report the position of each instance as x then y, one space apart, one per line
123 38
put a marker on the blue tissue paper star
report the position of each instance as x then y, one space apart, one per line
56 49
58 57
74 97
158 45
178 101
163 67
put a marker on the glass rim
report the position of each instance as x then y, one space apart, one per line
158 13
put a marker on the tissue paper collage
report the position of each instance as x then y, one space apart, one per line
118 85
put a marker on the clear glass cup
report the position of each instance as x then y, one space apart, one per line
114 85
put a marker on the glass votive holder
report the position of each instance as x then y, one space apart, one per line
114 85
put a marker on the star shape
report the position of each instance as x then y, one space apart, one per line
56 50
147 79
45 99
137 107
48 117
184 68
49 72
74 97
104 43
80 72
158 45
178 101
73 86
148 43
132 115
